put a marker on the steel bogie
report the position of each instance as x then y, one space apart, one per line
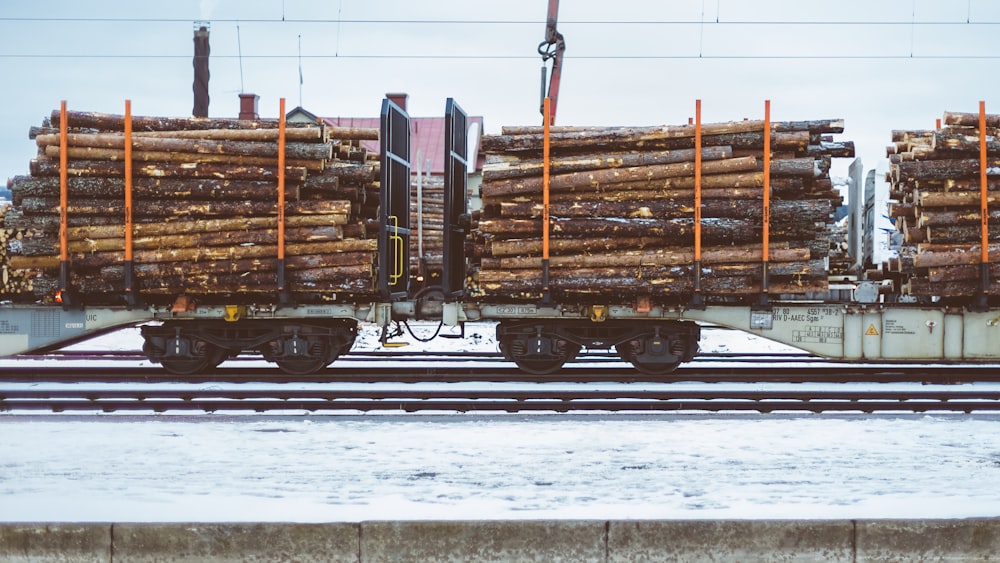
544 346
298 347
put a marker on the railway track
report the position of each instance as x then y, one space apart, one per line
451 368
530 398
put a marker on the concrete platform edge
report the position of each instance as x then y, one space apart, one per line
604 541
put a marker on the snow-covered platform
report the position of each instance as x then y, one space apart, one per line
510 540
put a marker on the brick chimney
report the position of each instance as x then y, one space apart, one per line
201 74
398 98
248 106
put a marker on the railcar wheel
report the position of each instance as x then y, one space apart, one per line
538 355
651 355
301 356
203 356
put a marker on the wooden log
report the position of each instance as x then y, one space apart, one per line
321 279
91 153
781 210
959 288
742 134
86 187
953 185
638 195
839 149
942 169
969 119
102 259
954 199
181 208
353 133
932 255
951 143
654 257
303 134
343 173
716 231
958 234
716 181
960 273
589 245
293 150
114 122
813 126
167 228
506 167
597 178
188 170
50 245
963 216
626 284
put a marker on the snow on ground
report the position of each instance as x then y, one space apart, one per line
320 468
334 468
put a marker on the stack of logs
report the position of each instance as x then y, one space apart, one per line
935 185
427 222
622 211
205 207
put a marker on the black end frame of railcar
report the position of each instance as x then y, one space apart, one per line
394 211
456 203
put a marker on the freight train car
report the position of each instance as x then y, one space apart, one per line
684 232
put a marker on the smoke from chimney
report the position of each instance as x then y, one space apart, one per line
201 51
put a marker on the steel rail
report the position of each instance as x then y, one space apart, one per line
460 371
415 400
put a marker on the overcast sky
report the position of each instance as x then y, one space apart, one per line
879 64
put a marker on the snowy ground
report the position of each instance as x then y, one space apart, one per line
314 468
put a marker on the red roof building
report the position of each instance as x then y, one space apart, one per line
426 136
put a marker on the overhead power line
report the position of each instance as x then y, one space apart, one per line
962 22
518 57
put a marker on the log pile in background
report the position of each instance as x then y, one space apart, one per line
935 186
204 211
429 264
622 210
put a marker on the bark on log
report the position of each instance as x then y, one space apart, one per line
188 170
964 216
969 119
114 122
293 150
91 153
813 126
942 169
597 178
954 199
86 187
801 210
503 168
181 208
102 259
656 257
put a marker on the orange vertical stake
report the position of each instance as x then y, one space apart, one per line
281 180
128 180
983 195
546 148
765 252
697 181
63 184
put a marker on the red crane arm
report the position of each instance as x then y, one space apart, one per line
552 48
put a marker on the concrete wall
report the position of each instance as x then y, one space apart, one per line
509 540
